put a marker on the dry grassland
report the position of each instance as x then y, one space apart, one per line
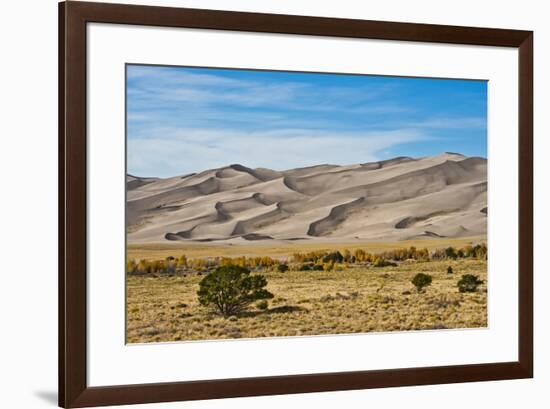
353 300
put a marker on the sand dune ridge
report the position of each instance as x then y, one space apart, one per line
395 199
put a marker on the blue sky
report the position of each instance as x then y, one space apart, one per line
183 120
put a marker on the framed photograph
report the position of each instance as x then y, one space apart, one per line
255 204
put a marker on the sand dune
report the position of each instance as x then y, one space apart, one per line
397 199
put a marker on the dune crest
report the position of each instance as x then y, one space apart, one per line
395 199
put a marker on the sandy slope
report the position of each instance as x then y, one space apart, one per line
402 198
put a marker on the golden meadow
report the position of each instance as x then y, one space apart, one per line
313 292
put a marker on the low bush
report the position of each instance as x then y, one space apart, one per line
421 280
310 266
468 283
380 262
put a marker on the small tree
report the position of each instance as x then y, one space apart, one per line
449 270
450 252
468 283
421 280
347 255
282 268
360 255
182 261
131 266
230 289
144 267
334 257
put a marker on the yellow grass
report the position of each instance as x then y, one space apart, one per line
282 249
354 300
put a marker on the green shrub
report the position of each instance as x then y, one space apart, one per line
421 280
230 289
262 305
468 283
449 270
282 268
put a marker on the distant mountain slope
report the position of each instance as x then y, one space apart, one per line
396 199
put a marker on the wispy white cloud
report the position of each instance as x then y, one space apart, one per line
190 150
187 120
155 85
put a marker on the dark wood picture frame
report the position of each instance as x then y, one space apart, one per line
73 388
